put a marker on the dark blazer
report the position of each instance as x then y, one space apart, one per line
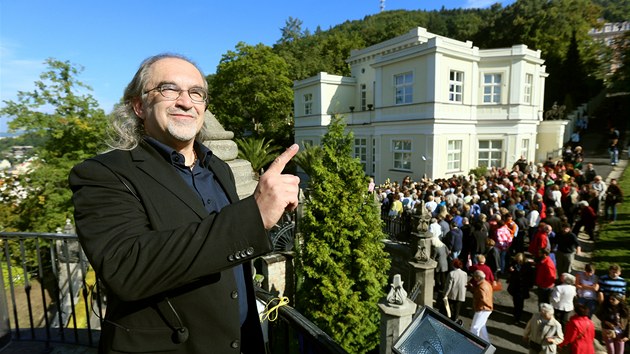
166 262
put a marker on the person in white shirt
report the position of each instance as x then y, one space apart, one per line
435 229
431 205
562 297
600 186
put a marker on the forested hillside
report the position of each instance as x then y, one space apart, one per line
559 28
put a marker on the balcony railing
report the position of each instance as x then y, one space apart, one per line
52 296
397 229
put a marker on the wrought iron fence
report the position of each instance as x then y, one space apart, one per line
397 228
291 332
51 295
283 233
46 291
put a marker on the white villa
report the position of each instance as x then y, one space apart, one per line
426 104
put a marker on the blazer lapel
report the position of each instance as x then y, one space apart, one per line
220 170
154 166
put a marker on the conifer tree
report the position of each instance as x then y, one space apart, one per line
341 263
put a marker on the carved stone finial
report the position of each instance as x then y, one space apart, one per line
421 218
397 293
421 254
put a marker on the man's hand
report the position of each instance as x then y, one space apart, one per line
276 192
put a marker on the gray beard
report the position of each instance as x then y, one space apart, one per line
182 132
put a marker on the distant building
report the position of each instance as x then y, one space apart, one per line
608 33
426 104
20 152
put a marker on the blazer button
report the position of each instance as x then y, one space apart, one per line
234 294
237 255
231 258
243 254
235 344
250 251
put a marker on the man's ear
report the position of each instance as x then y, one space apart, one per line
138 107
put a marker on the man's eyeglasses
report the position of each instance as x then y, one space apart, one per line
172 92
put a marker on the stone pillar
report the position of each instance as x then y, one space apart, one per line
221 144
423 279
278 271
394 320
422 267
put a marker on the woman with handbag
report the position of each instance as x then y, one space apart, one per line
579 333
543 332
614 317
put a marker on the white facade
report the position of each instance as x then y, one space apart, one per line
425 104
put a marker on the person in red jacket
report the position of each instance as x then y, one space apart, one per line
545 276
482 266
587 218
540 240
580 332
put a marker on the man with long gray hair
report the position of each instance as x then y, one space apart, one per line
160 220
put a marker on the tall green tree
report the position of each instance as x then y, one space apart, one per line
549 26
72 127
292 31
614 10
251 92
620 78
301 51
342 264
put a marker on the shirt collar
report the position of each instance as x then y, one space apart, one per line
175 158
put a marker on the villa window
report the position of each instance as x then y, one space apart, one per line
490 153
403 84
402 154
373 156
492 88
454 155
308 103
529 83
525 148
363 97
455 86
360 151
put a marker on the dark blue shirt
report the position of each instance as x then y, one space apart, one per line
202 180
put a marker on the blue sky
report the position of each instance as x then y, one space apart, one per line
110 38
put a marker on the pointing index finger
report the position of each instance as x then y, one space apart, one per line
278 164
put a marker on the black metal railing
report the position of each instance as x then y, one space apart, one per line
283 233
46 290
397 228
51 295
291 332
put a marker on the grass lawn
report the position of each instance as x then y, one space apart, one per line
613 245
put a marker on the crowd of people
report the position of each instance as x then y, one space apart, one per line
521 224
